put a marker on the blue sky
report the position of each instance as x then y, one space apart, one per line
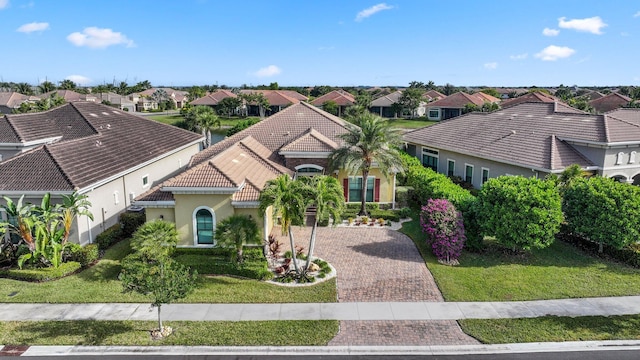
329 42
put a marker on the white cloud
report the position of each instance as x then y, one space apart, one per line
268 71
4 4
550 32
553 53
34 26
97 38
592 25
491 65
372 10
637 14
519 56
79 79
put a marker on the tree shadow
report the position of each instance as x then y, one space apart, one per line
87 331
390 249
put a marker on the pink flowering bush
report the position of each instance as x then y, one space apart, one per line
445 229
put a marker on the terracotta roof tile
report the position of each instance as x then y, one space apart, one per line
609 102
279 97
214 98
460 99
340 97
312 141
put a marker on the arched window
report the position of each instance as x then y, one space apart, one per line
309 170
632 157
204 221
619 158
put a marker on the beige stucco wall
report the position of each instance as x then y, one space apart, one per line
165 213
386 183
185 206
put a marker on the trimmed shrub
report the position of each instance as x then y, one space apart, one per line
520 212
109 237
42 274
130 222
206 261
356 206
445 229
384 214
603 211
403 196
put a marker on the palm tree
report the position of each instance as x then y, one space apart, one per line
46 86
73 205
236 231
159 96
286 197
123 88
325 193
24 88
205 119
370 140
67 84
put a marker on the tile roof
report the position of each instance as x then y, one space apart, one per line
609 102
279 97
67 95
280 129
97 142
434 95
214 98
340 97
12 99
460 99
312 141
387 100
535 96
528 134
623 125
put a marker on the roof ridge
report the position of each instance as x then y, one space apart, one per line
226 176
606 127
15 131
321 137
553 151
257 156
325 114
55 161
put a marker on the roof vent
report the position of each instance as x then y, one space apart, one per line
108 126
105 113
513 132
98 143
92 114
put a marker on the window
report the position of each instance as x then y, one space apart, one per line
204 227
619 158
485 175
309 170
434 114
116 198
430 158
145 181
355 189
451 167
468 173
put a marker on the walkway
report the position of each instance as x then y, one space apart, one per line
359 311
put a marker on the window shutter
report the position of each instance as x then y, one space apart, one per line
376 190
345 187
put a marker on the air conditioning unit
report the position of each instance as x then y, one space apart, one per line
135 209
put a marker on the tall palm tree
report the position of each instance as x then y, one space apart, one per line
286 197
24 88
236 231
205 119
46 86
67 84
369 140
325 193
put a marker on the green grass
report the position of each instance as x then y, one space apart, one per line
560 271
553 329
410 124
100 284
175 118
189 333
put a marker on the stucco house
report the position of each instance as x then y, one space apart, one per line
213 99
453 105
609 102
12 100
146 101
342 98
531 139
227 178
278 100
105 153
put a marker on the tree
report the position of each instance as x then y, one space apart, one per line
258 99
520 212
318 91
159 96
369 140
73 205
445 229
195 92
67 84
448 89
331 107
287 201
326 195
417 85
236 231
603 210
411 99
273 86
229 105
24 88
205 119
123 88
151 271
491 91
46 86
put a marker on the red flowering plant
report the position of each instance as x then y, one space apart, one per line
444 227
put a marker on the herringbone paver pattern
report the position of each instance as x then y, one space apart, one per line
381 265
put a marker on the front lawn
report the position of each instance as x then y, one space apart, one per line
553 328
186 333
100 284
560 271
410 124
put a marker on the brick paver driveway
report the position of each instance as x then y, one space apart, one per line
381 265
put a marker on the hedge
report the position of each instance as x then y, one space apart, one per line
629 254
42 274
218 262
109 237
130 222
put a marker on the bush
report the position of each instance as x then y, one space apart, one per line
405 212
216 261
241 125
87 255
370 206
629 254
109 237
42 274
385 214
130 222
403 195
445 229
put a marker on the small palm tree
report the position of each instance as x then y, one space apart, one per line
205 119
237 231
325 193
286 197
369 140
73 205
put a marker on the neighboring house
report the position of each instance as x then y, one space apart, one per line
12 100
593 95
213 99
147 102
227 178
383 106
506 92
123 102
535 96
69 95
432 95
107 154
609 102
531 139
453 105
278 100
342 98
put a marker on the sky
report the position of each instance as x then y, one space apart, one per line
328 42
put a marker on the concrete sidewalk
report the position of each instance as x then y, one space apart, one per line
624 305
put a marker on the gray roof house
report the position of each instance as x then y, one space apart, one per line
105 153
531 139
